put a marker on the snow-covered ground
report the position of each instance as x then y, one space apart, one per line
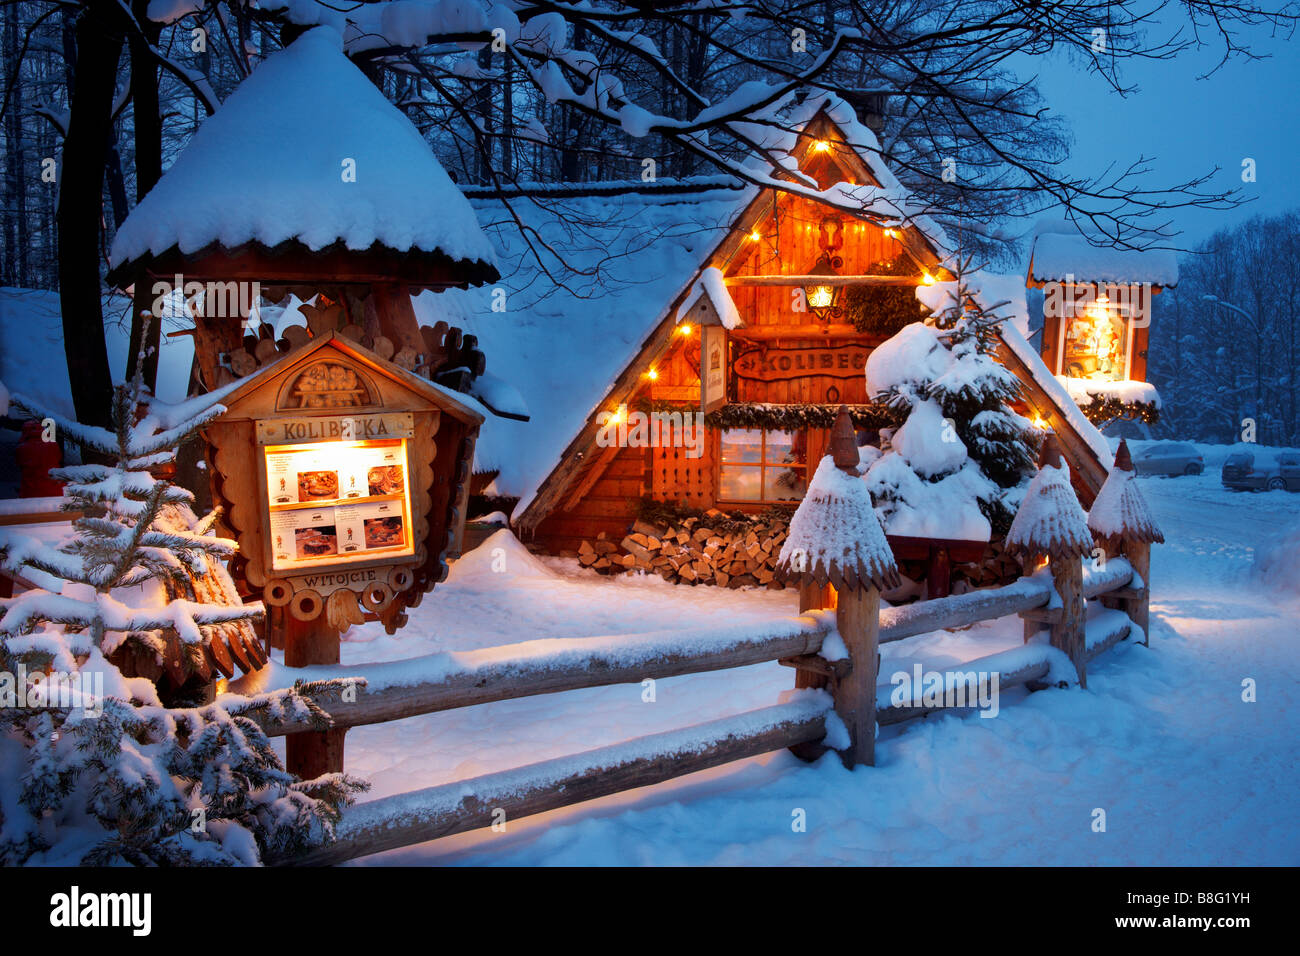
1186 772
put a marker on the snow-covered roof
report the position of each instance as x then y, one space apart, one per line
566 333
835 535
1050 520
1120 513
1058 258
713 286
305 149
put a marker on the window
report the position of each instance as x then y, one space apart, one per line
760 465
1096 343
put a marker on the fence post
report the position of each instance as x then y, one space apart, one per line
835 538
1051 523
1123 524
1068 631
310 753
857 616
1138 607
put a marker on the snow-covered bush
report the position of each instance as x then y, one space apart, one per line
958 465
97 770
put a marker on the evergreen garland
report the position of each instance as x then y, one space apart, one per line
794 417
883 309
1103 410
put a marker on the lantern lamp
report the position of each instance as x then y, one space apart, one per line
824 298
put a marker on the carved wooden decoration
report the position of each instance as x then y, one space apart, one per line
343 477
327 385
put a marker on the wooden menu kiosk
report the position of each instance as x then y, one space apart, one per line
343 478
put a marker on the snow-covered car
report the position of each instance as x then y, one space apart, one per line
1248 471
1169 458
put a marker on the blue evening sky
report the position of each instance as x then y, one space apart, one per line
1187 126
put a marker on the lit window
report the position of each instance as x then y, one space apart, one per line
760 465
1096 342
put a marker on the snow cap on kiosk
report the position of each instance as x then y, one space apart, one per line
1120 515
1050 521
306 158
835 536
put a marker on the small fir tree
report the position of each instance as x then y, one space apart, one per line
101 771
960 432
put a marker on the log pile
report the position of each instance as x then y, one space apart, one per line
996 568
710 549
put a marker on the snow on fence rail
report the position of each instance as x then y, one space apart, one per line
807 723
424 685
420 815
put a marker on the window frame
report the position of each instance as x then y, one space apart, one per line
763 466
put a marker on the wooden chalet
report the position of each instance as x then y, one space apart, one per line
782 301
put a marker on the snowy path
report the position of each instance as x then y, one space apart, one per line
1186 772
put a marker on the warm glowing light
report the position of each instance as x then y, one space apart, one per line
890 233
686 329
820 296
755 236
927 278
653 374
616 415
821 146
1040 422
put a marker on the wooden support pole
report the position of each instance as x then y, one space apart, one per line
1068 632
1139 608
857 617
311 753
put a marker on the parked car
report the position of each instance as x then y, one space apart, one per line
1251 471
1169 458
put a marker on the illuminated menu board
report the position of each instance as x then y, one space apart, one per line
336 502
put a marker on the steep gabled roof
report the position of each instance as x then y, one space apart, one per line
576 342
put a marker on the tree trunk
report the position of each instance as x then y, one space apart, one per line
148 170
100 36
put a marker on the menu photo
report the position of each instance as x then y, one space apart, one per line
378 525
303 535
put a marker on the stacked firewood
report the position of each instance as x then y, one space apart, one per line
996 568
710 549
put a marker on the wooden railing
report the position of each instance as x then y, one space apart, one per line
396 690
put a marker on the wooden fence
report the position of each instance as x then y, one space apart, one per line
397 690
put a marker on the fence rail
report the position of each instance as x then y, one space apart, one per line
421 815
401 689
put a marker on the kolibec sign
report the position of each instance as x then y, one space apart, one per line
292 431
845 361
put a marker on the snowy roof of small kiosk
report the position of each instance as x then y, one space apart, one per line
1055 257
268 167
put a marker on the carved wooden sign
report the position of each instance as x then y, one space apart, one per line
328 503
773 364
713 370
